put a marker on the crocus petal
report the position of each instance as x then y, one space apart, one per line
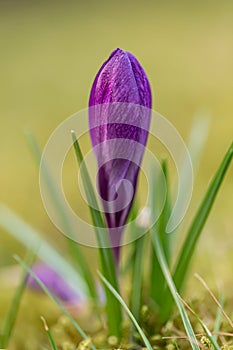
54 282
119 111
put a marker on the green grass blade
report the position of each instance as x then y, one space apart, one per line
203 325
33 241
135 263
166 238
218 319
44 169
195 144
107 261
76 252
53 298
137 277
184 258
156 274
128 264
199 220
81 264
197 138
220 312
210 336
52 342
156 289
129 313
12 313
97 219
164 267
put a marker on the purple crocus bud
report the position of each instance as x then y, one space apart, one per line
119 120
54 282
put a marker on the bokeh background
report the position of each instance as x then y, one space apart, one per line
50 53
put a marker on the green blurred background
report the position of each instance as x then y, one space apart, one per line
50 53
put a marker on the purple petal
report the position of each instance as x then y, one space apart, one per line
54 282
141 81
119 120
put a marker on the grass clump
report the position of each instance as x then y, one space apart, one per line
150 322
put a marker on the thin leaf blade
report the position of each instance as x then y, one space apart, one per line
199 220
162 260
106 256
12 313
76 252
131 316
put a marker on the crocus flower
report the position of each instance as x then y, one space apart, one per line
119 119
54 283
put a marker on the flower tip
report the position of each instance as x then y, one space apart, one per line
115 52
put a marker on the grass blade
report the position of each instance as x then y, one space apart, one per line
128 264
157 178
195 143
123 304
214 299
82 265
106 256
135 263
137 277
162 260
199 220
32 240
165 215
96 216
220 312
53 344
76 252
156 289
52 297
13 311
218 319
187 250
197 138
203 325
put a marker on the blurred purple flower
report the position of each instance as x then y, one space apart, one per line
54 282
119 120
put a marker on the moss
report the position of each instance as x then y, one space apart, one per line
29 333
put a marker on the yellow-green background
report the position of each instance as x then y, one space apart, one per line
50 53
